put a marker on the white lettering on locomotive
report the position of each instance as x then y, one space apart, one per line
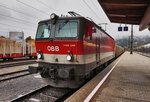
53 48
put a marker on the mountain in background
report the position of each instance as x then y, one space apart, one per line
137 41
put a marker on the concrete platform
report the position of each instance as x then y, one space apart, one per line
129 81
15 69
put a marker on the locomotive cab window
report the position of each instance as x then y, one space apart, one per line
43 31
66 29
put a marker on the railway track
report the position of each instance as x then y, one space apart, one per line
13 75
16 60
17 63
45 94
143 54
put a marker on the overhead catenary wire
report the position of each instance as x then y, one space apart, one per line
11 28
19 12
95 5
86 4
24 21
18 27
83 7
47 5
15 26
90 8
88 12
99 18
43 12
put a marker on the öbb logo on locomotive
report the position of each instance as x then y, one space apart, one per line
53 48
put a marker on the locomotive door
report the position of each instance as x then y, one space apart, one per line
98 50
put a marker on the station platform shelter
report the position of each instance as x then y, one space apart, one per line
127 79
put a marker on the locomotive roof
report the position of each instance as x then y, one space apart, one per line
63 18
76 18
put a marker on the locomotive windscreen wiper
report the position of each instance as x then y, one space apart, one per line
62 25
44 30
47 28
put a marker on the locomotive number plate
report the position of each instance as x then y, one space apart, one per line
53 48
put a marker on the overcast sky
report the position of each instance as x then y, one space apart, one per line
24 15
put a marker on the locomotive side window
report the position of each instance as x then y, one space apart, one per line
66 29
43 31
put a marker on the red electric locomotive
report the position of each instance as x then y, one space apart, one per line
69 48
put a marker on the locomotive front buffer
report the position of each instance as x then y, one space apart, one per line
52 72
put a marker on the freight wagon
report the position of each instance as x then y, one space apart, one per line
118 50
10 49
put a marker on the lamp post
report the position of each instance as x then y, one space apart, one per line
131 46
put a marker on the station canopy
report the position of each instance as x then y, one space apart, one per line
136 12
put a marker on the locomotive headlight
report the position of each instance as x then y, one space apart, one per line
69 57
53 16
39 56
